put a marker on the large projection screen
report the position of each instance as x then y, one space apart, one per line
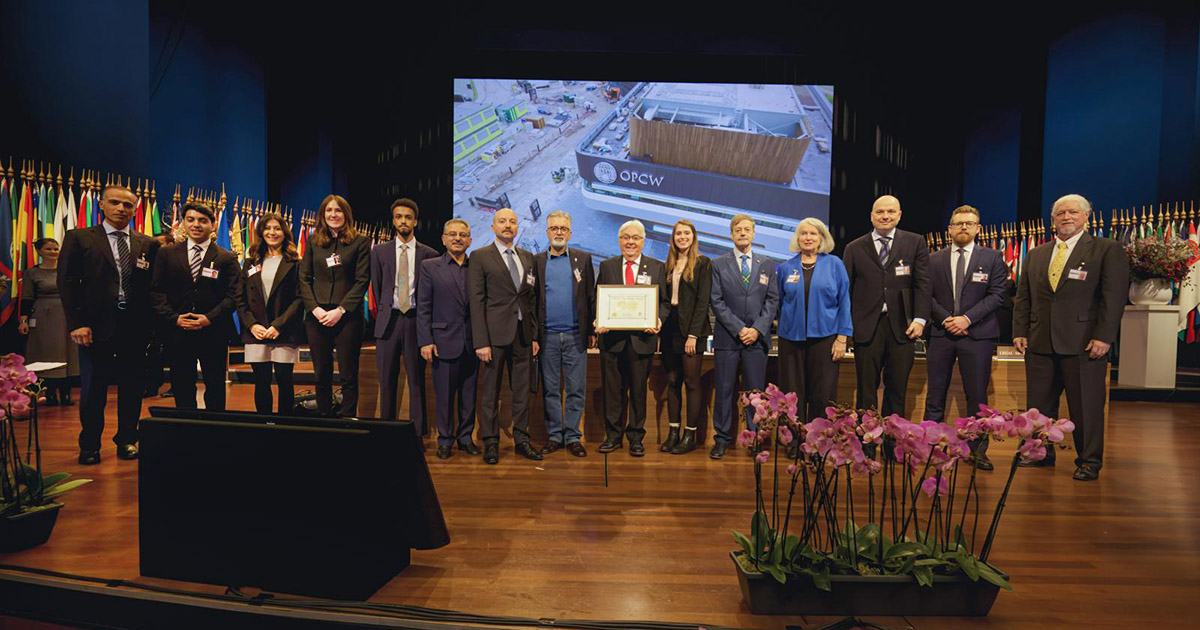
607 152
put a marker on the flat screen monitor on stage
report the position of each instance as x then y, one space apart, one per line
609 151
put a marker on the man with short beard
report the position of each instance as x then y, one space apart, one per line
1066 314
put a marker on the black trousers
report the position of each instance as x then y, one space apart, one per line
454 382
346 336
1047 375
518 358
883 353
974 358
625 371
262 386
115 361
399 344
683 372
807 368
184 349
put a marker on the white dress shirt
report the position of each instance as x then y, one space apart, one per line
516 257
637 268
109 230
1071 242
969 247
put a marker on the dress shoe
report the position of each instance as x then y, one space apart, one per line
470 448
982 462
687 444
64 398
718 450
170 393
491 453
1086 472
636 449
127 451
550 447
1041 463
576 449
443 452
671 441
528 451
608 446
89 458
51 398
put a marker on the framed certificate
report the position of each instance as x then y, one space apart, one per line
627 307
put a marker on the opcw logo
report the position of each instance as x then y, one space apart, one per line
605 172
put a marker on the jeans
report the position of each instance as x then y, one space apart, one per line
564 357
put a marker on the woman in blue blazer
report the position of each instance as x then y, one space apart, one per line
814 319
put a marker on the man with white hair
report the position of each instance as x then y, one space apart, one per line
625 355
1070 298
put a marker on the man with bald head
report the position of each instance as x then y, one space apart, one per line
889 305
504 326
1068 307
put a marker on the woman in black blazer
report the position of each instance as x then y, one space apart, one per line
269 307
685 333
334 275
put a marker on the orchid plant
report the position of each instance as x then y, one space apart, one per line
917 501
22 485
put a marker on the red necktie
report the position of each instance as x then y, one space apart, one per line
628 272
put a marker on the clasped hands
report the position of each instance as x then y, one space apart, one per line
261 332
192 321
956 324
328 318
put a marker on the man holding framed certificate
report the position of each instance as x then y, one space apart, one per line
631 298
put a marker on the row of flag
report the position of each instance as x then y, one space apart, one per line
1015 240
40 203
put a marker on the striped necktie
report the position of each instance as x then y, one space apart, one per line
197 256
125 263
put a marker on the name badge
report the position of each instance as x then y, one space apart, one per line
529 278
578 276
643 278
253 270
1077 274
32 322
793 277
979 276
903 270
333 260
209 272
762 279
142 263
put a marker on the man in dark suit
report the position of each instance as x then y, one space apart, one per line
395 277
504 325
745 300
567 302
1070 298
969 282
444 334
889 305
104 278
194 293
624 354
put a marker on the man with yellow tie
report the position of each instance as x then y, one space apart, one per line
1068 308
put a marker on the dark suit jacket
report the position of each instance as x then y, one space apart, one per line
343 285
173 292
443 309
495 301
872 284
612 271
281 310
90 282
584 276
691 314
978 300
383 278
737 306
1063 321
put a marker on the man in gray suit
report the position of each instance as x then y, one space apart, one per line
504 326
745 300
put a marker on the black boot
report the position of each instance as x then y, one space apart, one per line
672 439
687 444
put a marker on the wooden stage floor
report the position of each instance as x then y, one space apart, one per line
547 539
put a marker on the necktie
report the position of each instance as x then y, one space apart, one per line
512 269
629 272
746 269
125 264
883 248
402 279
960 272
1057 264
195 264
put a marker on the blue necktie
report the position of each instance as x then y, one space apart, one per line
746 269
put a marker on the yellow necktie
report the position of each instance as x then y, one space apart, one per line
1057 264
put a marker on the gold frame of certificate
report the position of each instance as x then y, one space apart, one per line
627 307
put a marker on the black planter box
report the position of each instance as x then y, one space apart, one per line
857 595
28 529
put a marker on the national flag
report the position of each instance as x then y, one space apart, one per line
156 218
1189 294
223 228
8 301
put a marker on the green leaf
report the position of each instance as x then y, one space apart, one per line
907 567
821 578
959 538
777 553
776 572
65 488
743 542
905 549
53 479
760 531
988 574
789 546
968 565
924 575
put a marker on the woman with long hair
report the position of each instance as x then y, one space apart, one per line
334 275
43 319
685 333
269 307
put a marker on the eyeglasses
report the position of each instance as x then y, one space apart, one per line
558 229
964 224
632 237
457 234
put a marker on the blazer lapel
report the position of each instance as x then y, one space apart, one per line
102 238
284 266
1082 251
